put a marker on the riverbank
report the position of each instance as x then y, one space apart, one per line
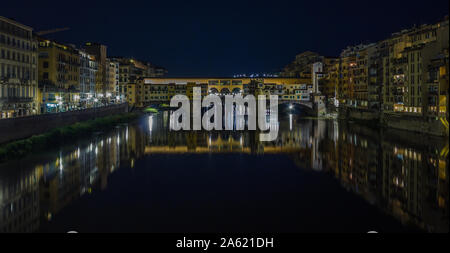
60 135
400 121
13 129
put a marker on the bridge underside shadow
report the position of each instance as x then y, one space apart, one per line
296 108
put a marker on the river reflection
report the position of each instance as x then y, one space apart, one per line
403 175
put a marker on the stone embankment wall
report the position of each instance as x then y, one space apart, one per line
23 127
414 123
399 121
358 114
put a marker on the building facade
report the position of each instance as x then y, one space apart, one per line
302 65
116 64
99 51
329 83
111 80
18 70
59 77
415 71
405 74
88 73
128 71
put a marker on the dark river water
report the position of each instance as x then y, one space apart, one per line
320 175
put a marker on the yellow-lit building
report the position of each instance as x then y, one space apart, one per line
346 82
131 95
407 66
110 79
130 70
358 84
59 76
438 86
329 84
361 73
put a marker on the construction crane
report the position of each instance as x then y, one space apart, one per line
40 33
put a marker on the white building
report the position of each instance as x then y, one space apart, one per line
88 71
18 70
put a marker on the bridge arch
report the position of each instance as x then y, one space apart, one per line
302 107
306 104
213 91
236 90
225 91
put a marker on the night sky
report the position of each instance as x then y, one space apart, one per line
215 38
